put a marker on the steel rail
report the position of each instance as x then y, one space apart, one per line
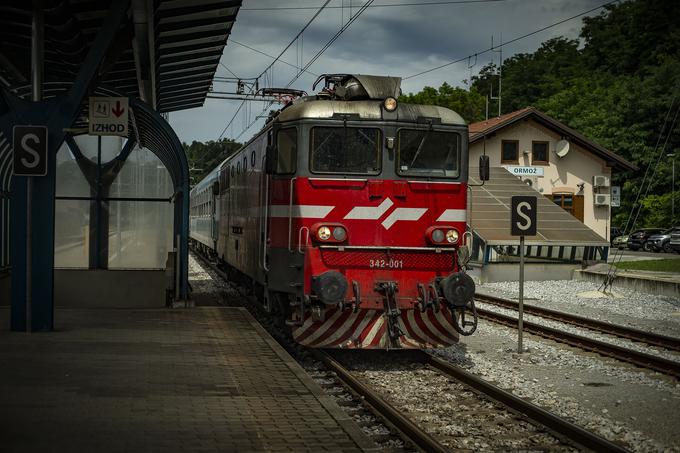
558 425
418 437
629 333
641 359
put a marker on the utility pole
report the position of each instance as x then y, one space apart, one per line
672 156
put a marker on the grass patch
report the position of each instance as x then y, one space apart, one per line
667 265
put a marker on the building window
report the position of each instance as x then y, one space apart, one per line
539 153
509 152
571 203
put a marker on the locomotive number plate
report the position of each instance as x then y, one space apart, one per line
386 264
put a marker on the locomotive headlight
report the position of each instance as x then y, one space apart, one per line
339 234
390 104
323 233
438 236
451 236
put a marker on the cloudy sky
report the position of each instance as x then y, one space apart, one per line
397 40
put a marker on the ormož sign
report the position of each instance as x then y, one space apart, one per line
525 171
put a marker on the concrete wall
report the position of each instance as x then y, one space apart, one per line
562 175
82 288
509 272
649 285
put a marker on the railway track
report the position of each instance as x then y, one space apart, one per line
641 359
410 434
555 425
628 333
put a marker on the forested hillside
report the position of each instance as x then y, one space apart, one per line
203 157
618 85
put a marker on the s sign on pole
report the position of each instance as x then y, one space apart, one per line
522 223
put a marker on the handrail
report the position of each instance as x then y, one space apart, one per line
290 214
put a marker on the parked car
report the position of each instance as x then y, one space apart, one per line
638 239
675 241
620 242
615 232
661 242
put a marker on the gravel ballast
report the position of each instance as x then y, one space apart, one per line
659 314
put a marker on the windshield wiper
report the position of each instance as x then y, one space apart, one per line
420 147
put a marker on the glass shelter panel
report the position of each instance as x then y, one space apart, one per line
70 180
140 234
71 233
143 176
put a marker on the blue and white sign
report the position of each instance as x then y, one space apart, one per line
616 196
526 171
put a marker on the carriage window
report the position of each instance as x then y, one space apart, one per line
286 145
346 150
425 152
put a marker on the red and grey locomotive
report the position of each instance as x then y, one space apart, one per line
347 213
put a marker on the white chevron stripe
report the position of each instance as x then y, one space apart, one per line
436 335
416 328
406 340
403 214
300 330
298 211
362 325
340 331
323 328
453 215
370 212
374 330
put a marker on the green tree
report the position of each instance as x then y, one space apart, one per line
468 104
203 157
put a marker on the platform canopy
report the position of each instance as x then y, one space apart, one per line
160 54
166 52
490 215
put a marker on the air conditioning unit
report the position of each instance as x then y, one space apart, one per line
602 199
600 181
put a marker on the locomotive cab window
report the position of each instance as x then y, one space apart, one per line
286 146
428 153
355 150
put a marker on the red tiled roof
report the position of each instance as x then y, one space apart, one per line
482 126
480 129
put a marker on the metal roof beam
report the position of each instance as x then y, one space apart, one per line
196 25
170 9
203 78
203 86
194 38
144 49
173 59
181 75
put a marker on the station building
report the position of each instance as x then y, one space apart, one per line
532 153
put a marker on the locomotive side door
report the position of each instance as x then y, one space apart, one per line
283 257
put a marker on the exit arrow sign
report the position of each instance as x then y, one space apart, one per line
109 116
118 110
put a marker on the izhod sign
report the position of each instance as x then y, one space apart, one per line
109 116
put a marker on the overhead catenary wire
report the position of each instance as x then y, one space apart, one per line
233 41
380 5
271 65
518 38
330 42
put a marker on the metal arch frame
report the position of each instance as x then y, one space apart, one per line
176 163
57 114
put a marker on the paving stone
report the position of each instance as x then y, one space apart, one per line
200 379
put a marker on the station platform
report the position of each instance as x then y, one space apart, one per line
200 379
